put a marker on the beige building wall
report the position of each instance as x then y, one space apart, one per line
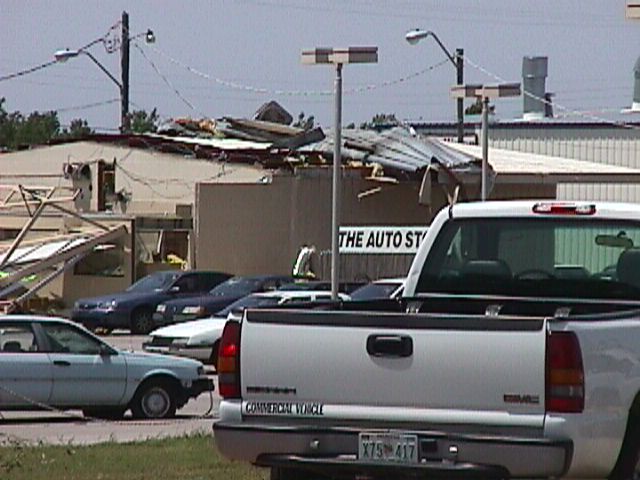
258 228
157 182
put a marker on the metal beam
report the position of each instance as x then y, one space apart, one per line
37 267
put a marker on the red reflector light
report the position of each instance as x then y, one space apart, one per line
564 209
565 374
229 350
229 361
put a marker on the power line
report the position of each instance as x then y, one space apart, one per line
558 106
414 11
166 80
27 71
87 106
303 93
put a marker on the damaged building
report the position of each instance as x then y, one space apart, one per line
243 196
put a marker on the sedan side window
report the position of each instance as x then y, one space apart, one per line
187 284
66 339
17 338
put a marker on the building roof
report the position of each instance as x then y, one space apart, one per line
578 121
518 167
395 149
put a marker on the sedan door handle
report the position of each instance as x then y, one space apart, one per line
62 363
394 346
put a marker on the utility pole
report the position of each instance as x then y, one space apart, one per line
413 37
124 66
460 81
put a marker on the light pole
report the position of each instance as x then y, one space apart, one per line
485 93
457 60
337 57
123 85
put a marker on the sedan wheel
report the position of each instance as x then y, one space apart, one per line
142 322
155 399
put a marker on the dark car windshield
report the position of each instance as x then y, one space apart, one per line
236 287
374 291
250 301
587 258
298 286
156 282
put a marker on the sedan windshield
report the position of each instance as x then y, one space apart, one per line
155 282
236 287
250 301
374 291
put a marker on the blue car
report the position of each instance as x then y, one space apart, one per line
205 305
133 308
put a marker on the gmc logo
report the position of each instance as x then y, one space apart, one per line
521 399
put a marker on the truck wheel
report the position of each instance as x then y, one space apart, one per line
154 399
213 358
141 321
626 465
283 473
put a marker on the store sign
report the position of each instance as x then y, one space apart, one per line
403 240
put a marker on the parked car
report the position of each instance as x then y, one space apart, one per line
133 308
52 362
205 305
199 338
300 284
378 289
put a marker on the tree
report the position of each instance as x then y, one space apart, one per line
140 121
380 120
77 129
304 123
7 127
476 108
38 128
16 130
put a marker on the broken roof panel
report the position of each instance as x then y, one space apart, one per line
395 149
219 143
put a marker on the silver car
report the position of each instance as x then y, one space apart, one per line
52 363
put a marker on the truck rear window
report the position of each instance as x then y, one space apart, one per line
568 258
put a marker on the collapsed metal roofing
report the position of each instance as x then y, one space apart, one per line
395 149
399 152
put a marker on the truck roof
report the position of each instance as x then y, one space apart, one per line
525 208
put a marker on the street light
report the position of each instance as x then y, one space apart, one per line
457 60
337 57
123 85
485 92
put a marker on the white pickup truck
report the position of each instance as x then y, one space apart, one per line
513 353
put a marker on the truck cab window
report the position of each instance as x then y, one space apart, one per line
515 256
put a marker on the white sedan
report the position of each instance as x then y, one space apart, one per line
52 363
199 338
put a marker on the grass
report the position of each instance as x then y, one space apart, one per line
191 457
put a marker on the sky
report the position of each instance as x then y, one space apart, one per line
221 58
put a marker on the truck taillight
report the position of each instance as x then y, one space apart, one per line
565 374
229 361
564 209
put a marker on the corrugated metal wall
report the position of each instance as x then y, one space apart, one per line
613 146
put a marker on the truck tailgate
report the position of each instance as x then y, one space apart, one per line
430 370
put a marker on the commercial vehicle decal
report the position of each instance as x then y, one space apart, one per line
295 409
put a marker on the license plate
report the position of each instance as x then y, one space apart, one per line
388 447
